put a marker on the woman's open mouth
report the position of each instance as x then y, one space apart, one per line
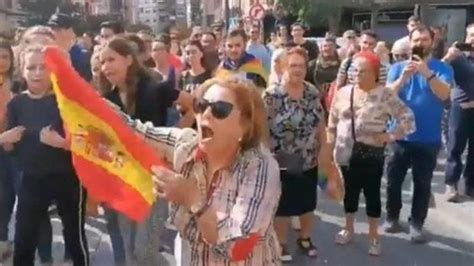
206 133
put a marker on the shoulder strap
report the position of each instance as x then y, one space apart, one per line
352 115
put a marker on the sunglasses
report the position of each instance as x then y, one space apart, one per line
401 56
219 109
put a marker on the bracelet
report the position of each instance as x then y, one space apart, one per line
197 213
431 77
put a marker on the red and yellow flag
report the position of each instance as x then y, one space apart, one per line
111 161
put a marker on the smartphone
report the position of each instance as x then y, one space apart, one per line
418 51
465 47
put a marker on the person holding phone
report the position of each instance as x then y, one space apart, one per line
461 132
423 83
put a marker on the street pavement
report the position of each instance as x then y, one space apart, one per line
449 227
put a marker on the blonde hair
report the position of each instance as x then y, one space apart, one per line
34 48
278 55
252 108
36 30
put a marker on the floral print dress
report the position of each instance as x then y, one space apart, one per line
293 123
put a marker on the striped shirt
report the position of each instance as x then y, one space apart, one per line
373 111
245 198
346 75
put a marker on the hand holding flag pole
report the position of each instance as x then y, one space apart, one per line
111 160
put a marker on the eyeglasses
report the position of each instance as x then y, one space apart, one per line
219 109
351 37
400 56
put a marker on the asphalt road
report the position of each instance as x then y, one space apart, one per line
449 228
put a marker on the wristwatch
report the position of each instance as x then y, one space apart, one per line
431 77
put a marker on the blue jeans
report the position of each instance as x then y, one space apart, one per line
461 134
422 158
9 183
113 228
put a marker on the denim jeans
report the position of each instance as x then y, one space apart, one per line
422 159
9 184
142 240
461 134
113 228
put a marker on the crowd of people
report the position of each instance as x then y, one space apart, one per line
246 127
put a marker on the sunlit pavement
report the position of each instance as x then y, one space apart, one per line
449 226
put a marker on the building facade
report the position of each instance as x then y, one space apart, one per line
10 15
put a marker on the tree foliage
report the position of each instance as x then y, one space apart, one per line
314 12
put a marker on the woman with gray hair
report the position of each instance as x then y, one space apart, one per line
276 73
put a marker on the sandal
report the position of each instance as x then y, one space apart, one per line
343 237
307 246
375 249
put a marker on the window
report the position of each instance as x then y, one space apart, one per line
141 9
154 10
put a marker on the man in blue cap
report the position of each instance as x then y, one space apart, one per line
63 27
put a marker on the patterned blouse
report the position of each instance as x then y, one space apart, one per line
246 198
372 115
293 123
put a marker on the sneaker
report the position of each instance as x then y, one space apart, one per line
452 194
285 255
416 235
392 227
6 250
375 249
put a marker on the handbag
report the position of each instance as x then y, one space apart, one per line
291 163
361 150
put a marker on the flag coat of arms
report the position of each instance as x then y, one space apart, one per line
111 160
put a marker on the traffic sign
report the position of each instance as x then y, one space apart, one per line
257 11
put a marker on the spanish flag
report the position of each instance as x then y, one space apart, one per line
111 161
248 65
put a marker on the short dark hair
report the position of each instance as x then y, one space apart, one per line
139 45
298 24
422 28
370 33
115 26
414 18
237 33
210 33
165 39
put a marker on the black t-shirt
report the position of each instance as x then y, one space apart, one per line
190 83
36 158
311 47
152 100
